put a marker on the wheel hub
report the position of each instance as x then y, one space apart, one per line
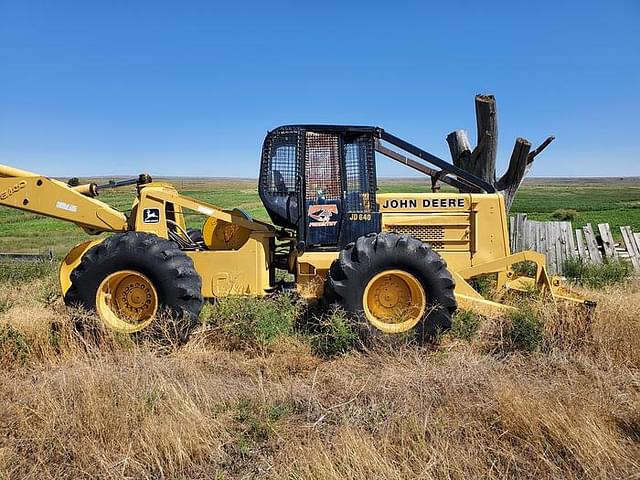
127 301
392 293
135 297
394 301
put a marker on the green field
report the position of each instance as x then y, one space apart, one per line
614 201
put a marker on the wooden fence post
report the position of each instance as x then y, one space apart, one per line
583 252
592 244
608 245
633 249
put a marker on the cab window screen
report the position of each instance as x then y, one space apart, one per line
282 172
322 166
358 159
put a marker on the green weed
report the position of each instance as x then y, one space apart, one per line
597 275
334 334
465 324
14 346
5 304
484 284
525 329
49 292
248 321
526 268
254 425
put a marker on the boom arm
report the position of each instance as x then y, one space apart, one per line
45 196
448 172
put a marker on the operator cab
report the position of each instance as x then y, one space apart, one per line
320 181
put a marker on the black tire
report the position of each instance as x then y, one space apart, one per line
171 271
369 255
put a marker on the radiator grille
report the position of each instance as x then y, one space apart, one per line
431 234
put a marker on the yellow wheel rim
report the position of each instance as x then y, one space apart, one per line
394 301
127 301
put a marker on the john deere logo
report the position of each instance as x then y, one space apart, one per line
323 215
151 215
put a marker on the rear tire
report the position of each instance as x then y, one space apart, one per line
405 264
146 269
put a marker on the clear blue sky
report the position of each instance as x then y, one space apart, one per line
190 88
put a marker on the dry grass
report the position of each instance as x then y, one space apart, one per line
545 395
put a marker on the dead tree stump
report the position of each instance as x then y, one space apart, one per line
481 161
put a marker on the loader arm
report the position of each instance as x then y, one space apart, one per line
45 196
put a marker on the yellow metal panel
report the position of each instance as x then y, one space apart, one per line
243 271
422 218
444 232
450 222
311 272
158 228
456 260
221 235
490 237
71 261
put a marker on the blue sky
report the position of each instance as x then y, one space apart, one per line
190 88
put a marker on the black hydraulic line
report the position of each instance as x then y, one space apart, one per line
142 179
438 162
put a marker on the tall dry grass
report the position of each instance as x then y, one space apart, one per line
546 394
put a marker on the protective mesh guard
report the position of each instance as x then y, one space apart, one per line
279 185
323 188
282 165
322 166
359 174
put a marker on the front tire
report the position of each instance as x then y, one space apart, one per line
132 279
389 284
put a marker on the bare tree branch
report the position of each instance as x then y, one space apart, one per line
481 161
460 149
510 182
540 148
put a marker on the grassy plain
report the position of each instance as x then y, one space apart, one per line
545 393
614 201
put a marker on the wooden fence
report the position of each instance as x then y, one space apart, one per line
559 242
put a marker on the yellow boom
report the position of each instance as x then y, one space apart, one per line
45 196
